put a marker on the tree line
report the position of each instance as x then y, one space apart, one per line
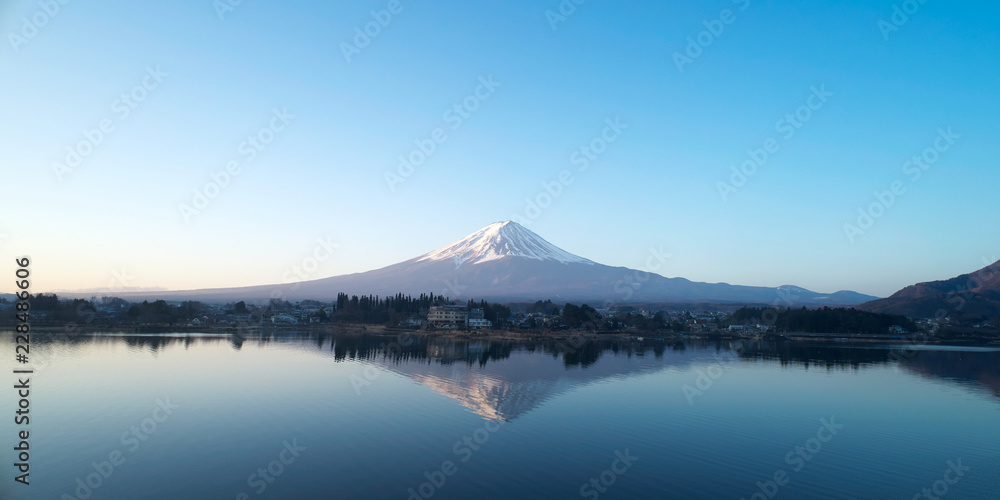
365 309
825 320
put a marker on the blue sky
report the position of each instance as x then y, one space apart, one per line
212 81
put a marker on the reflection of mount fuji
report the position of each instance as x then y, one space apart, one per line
504 379
493 397
507 390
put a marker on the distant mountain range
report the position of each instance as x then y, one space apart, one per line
505 262
969 296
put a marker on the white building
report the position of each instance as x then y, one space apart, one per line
451 316
479 324
284 319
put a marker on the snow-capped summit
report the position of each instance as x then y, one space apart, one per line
499 240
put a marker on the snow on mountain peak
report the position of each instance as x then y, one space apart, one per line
499 240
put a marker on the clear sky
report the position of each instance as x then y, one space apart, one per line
179 87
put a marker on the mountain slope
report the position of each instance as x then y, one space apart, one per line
507 262
973 295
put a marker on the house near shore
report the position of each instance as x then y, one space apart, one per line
284 319
455 316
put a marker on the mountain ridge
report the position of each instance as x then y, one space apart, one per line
971 295
507 262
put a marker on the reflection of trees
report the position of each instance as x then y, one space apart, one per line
149 342
977 367
829 356
982 368
389 348
585 356
479 352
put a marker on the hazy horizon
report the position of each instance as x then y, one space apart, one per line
121 278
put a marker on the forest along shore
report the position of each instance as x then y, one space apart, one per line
948 337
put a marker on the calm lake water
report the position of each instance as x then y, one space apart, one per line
304 416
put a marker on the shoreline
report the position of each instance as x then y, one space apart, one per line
984 338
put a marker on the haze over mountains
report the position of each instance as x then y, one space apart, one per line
970 296
505 262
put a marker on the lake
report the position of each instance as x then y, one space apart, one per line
307 415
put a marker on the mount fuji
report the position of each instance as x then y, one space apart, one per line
506 262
